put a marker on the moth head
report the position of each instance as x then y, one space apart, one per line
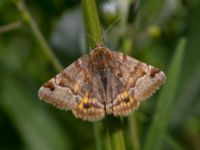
101 57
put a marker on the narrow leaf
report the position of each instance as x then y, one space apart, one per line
166 99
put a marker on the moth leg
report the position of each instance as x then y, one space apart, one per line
89 109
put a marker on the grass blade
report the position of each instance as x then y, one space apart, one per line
166 99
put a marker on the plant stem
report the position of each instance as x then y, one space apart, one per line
116 133
95 37
27 18
92 23
134 132
11 26
97 136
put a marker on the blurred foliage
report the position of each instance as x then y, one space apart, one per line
148 30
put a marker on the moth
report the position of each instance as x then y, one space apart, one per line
101 83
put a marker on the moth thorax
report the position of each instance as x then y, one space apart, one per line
101 58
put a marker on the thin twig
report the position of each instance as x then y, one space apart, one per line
27 18
10 27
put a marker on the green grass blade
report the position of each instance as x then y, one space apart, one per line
188 96
166 99
116 133
97 135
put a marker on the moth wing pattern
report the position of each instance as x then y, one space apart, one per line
103 82
140 81
72 89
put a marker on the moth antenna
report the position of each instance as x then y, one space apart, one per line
110 26
90 37
104 32
136 6
98 44
113 23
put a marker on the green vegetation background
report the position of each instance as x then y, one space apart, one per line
162 33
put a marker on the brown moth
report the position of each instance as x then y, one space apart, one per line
103 82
